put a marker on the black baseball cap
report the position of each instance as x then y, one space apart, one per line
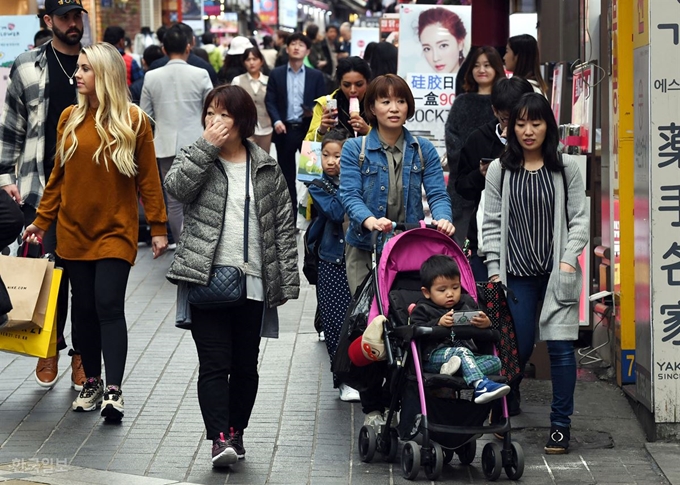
61 7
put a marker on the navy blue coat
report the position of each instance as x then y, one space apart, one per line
276 99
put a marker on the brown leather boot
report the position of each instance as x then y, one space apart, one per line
77 372
47 371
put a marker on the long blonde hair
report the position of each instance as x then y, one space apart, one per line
118 138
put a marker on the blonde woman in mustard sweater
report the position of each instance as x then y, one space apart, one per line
105 157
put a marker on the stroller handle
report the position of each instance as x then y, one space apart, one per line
399 226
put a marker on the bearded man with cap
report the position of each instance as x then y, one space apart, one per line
41 85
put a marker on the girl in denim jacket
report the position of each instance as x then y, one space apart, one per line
327 235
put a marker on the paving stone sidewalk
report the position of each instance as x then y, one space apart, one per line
300 433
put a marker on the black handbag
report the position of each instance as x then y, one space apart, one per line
227 284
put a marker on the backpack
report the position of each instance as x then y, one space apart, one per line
311 240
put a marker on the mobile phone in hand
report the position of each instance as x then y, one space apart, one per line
464 318
332 105
486 161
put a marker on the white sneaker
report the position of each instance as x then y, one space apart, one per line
348 394
90 398
451 366
322 337
113 404
374 419
395 419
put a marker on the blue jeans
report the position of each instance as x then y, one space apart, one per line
478 267
525 294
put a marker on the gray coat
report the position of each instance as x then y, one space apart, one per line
559 317
196 180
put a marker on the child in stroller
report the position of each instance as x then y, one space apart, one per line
441 287
436 420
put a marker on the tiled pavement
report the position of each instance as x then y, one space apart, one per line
300 432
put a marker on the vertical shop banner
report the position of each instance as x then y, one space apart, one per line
288 14
227 23
558 83
267 10
192 10
430 56
664 191
643 331
211 8
389 23
361 37
583 105
16 36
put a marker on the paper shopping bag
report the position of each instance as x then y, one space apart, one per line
28 282
309 161
36 342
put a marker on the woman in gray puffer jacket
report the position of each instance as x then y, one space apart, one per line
209 178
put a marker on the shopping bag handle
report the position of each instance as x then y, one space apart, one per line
25 251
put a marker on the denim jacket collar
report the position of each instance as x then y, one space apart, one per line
373 140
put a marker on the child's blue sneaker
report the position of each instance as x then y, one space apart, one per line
487 390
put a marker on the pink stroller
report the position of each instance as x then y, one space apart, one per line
442 426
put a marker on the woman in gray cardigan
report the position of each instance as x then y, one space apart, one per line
209 178
535 227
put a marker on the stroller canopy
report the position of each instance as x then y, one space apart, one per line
407 252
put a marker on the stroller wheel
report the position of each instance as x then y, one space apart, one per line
410 460
391 447
435 462
467 452
515 469
367 443
492 461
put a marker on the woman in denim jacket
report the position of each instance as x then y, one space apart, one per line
386 186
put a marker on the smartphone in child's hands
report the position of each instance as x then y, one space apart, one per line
464 318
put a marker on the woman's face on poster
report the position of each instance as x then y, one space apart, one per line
441 49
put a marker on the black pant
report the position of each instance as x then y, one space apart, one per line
286 145
50 246
99 303
377 395
11 219
227 342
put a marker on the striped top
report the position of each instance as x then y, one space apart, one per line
531 218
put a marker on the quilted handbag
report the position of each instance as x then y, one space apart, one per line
226 288
227 284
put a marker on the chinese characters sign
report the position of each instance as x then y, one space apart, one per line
657 139
430 56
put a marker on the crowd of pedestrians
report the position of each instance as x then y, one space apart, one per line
186 132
